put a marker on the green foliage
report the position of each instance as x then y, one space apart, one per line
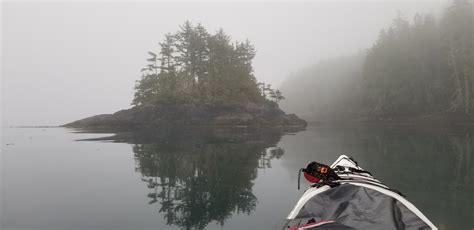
418 67
424 66
196 67
329 90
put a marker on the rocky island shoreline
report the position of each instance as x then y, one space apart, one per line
198 79
267 115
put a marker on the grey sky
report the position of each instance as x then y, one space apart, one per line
65 61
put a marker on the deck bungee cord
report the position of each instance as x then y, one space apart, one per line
345 196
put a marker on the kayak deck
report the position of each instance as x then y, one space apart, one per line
356 201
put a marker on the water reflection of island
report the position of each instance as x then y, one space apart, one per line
202 176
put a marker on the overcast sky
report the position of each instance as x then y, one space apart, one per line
64 61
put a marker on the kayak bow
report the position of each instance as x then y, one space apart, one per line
345 196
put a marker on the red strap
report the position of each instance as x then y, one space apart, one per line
310 178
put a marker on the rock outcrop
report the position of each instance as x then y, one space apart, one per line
267 115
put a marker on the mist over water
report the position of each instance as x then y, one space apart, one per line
65 61
213 179
205 136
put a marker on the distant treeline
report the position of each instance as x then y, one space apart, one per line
415 68
196 67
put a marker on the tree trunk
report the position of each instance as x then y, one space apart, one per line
458 93
467 93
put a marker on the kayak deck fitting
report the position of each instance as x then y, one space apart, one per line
345 196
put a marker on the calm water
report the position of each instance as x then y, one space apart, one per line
216 179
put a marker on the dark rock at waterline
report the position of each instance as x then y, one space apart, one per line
267 115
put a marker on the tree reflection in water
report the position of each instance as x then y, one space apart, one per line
204 176
435 170
433 166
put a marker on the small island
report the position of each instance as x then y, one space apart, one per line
198 79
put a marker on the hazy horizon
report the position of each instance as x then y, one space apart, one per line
65 61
